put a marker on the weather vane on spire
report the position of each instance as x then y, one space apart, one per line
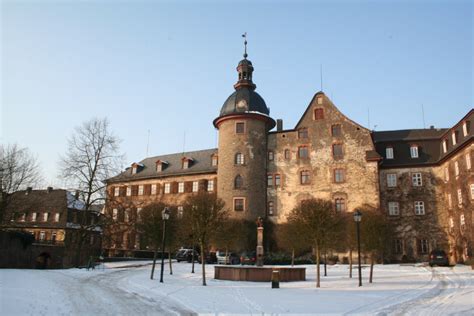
245 44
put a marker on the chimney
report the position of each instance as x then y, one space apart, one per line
49 189
279 125
28 190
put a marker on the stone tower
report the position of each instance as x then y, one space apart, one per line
243 124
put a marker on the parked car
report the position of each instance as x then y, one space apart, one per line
186 255
438 258
248 257
231 258
210 258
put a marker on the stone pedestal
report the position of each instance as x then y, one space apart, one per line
259 262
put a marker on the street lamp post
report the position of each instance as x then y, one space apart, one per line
357 219
165 215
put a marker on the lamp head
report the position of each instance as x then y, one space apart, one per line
357 216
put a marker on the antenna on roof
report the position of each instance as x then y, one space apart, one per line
368 117
321 74
147 143
423 114
184 142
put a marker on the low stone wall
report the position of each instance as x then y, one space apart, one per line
258 274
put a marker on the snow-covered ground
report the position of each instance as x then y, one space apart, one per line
126 289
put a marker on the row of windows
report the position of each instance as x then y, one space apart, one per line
459 196
336 131
466 126
35 217
416 179
462 223
152 189
394 208
186 162
274 180
389 153
422 246
303 153
339 206
467 159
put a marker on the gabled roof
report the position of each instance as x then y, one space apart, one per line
39 200
202 163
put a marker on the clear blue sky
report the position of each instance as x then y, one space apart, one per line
168 67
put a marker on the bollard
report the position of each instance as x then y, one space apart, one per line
275 279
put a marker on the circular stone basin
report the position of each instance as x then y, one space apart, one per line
258 274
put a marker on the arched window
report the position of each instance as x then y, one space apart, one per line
239 159
340 204
238 182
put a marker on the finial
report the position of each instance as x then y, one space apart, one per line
245 44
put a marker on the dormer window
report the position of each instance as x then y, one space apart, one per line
465 128
389 153
134 169
186 162
454 137
414 151
445 145
161 165
214 160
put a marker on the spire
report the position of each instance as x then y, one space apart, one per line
245 70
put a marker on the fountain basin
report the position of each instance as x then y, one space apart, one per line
258 274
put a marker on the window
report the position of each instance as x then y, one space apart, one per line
303 152
22 217
210 185
445 145
319 114
414 151
239 159
305 177
126 216
416 179
238 182
393 208
53 237
337 152
167 188
277 180
181 187
134 169
185 163
269 180
340 204
423 246
472 191
446 174
456 168
45 216
287 154
451 224
180 211
114 214
320 100
33 216
389 152
303 133
153 189
159 166
214 160
140 190
240 128
462 221
239 204
129 190
195 186
56 217
116 191
270 155
450 201
271 208
419 208
397 246
465 128
339 175
454 137
42 235
391 180
468 161
459 197
336 130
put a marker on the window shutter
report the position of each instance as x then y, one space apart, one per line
174 187
202 185
148 189
188 186
134 190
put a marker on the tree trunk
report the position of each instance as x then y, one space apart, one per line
154 263
226 256
325 264
203 265
318 270
169 257
192 259
292 257
350 263
371 266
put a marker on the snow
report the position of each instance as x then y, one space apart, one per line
125 288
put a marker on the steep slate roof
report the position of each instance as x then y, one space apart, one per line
39 200
202 163
408 134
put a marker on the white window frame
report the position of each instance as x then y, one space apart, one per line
446 174
195 186
459 197
424 246
34 216
210 185
419 208
140 189
393 208
185 163
180 210
417 179
134 169
445 146
450 201
451 222
214 160
414 151
116 191
45 216
42 235
167 188
462 220
239 159
153 189
468 161
115 214
464 129
126 216
456 168
391 180
56 217
453 138
389 153
129 190
472 191
180 187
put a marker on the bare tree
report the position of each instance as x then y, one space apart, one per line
317 221
91 157
203 213
18 169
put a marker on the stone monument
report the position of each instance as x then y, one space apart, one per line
259 262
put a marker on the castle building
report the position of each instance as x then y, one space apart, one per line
421 179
